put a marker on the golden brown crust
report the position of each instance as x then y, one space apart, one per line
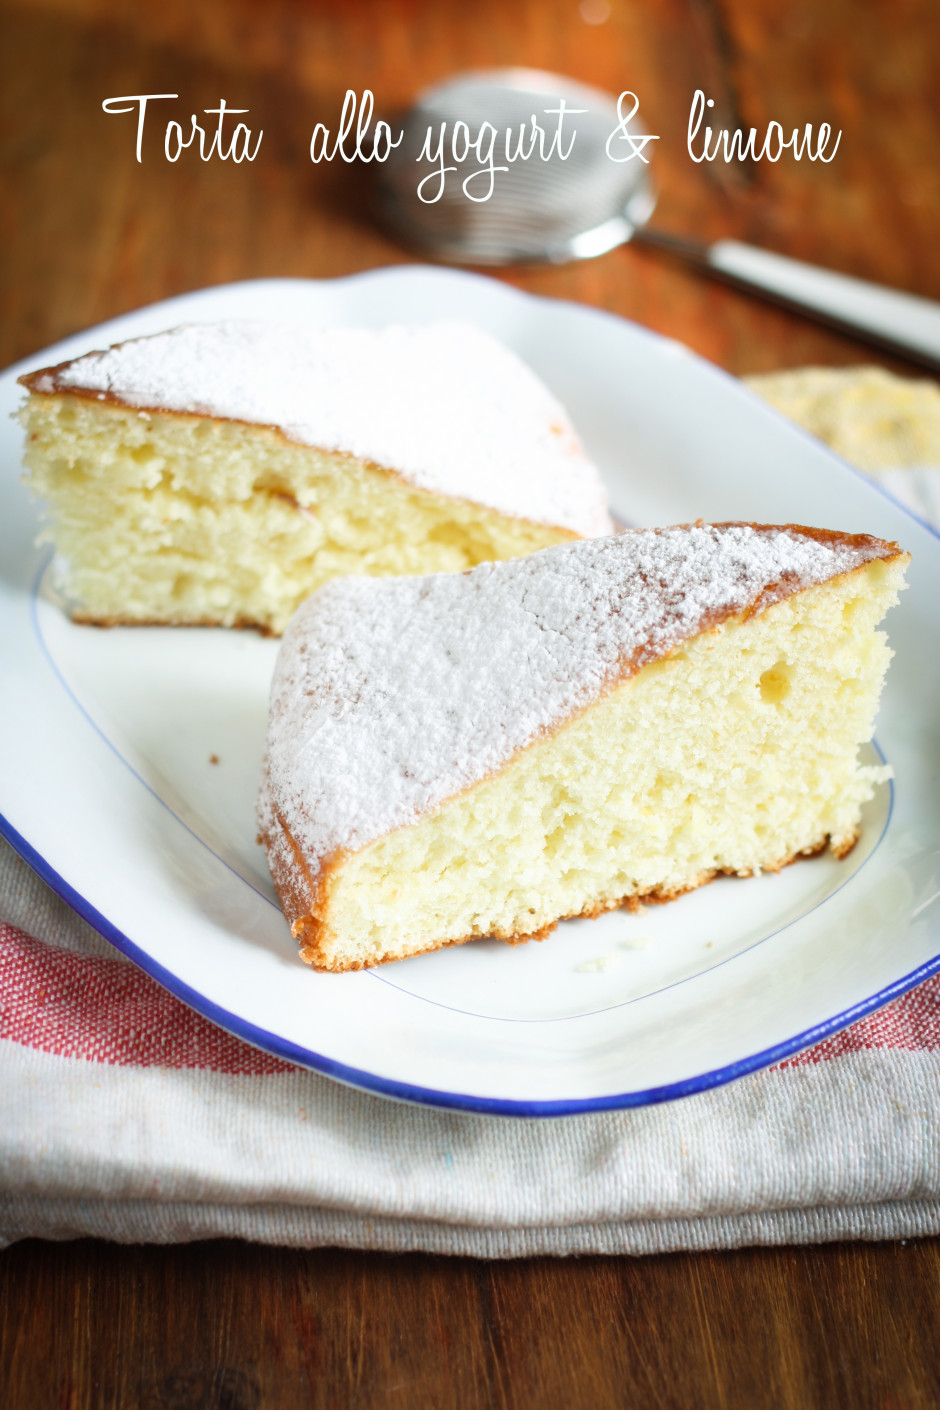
844 848
33 382
820 535
884 551
241 624
327 865
299 892
309 927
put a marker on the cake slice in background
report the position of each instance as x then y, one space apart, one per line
599 723
220 473
886 425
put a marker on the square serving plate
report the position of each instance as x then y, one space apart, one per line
107 788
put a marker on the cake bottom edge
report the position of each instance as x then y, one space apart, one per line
84 618
305 928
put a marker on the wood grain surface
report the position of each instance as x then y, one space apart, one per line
230 1326
88 233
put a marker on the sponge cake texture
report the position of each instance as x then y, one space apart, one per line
596 725
220 473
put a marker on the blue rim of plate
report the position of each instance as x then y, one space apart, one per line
375 972
370 1082
428 1096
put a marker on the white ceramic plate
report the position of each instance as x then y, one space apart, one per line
106 784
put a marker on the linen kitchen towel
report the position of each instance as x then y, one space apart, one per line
125 1115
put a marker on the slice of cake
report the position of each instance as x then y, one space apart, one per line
599 723
220 473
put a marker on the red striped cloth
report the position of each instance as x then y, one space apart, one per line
105 1010
125 1115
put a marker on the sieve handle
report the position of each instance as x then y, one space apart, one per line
904 324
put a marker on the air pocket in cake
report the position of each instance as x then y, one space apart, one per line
596 725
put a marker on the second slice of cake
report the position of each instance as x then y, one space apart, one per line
219 473
486 753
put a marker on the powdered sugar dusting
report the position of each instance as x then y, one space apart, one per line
392 695
445 405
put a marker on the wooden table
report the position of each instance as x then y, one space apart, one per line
89 233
